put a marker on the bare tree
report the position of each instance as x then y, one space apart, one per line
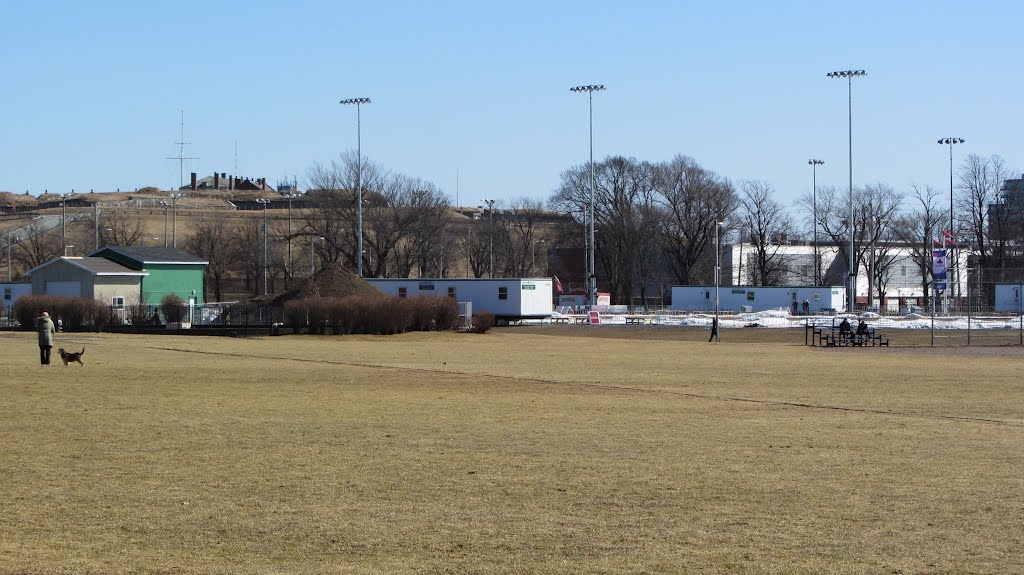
991 230
517 230
214 241
877 211
694 200
475 247
118 229
770 227
919 228
36 246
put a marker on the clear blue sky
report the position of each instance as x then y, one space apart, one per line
93 90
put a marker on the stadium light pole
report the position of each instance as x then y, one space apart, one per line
490 233
288 267
165 206
359 180
718 271
949 142
592 280
63 218
263 202
814 215
174 220
851 281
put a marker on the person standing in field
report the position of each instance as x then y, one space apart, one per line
44 325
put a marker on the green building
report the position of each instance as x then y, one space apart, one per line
170 271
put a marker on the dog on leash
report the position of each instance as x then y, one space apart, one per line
70 357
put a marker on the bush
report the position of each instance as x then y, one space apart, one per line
483 322
173 307
375 314
446 313
74 313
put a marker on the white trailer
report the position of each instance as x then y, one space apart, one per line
1008 298
820 299
509 299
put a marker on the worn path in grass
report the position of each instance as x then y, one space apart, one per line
520 451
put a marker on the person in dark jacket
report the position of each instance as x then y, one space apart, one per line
844 326
44 326
862 328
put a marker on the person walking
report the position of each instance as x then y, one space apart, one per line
44 325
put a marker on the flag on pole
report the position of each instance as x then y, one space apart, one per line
558 286
949 239
939 264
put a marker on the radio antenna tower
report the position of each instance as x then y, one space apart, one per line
181 157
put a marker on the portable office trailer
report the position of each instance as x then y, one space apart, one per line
820 299
1008 298
509 299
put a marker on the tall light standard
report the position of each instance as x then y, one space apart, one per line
851 281
490 233
359 181
63 217
718 270
263 202
289 196
174 220
592 279
814 215
165 206
949 142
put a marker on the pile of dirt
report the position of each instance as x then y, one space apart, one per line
328 282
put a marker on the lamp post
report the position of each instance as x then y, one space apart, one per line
174 220
263 202
851 281
165 206
532 255
63 218
592 279
949 142
814 215
490 233
359 181
718 270
288 267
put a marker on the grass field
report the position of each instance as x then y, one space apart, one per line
525 450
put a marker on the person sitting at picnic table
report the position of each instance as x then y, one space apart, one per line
862 328
844 327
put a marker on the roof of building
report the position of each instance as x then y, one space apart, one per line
95 266
153 254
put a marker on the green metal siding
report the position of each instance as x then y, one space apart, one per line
178 279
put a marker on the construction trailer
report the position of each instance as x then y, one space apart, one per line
1009 298
820 299
509 299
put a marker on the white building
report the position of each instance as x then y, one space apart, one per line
509 299
820 299
902 281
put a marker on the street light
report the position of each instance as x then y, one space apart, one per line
63 214
174 220
533 254
851 281
950 142
359 180
263 202
814 215
289 196
490 212
718 270
165 206
592 279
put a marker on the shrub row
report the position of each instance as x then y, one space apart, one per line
76 313
380 315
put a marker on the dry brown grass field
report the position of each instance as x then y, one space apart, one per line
525 450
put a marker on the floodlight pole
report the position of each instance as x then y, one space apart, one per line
490 226
814 216
949 276
852 279
63 218
592 280
718 272
263 202
359 181
288 267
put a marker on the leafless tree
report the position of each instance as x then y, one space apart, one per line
994 231
877 211
474 245
770 227
36 246
120 229
693 201
516 233
215 241
919 227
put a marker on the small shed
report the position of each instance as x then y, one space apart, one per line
509 299
820 299
94 278
168 271
11 291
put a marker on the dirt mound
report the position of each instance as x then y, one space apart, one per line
330 282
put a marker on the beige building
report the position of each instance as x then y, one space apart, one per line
96 278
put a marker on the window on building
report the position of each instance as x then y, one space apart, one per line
451 292
750 296
117 301
503 293
7 293
401 292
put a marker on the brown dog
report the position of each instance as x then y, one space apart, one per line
69 357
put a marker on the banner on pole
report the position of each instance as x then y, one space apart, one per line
939 264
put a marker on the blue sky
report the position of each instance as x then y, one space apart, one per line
94 91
